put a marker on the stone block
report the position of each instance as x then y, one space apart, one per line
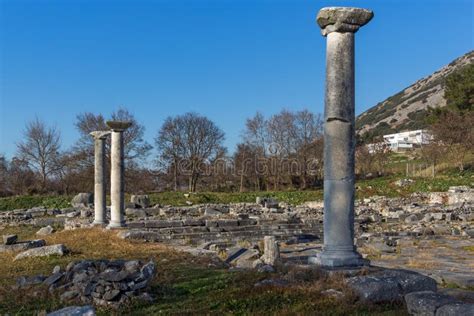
425 303
247 222
48 230
374 289
86 310
227 222
20 246
193 222
9 239
163 223
212 212
59 250
455 309
143 201
82 200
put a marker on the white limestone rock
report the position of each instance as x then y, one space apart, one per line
48 230
59 250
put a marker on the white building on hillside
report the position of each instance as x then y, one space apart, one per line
407 140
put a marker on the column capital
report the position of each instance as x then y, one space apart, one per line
118 126
342 19
100 134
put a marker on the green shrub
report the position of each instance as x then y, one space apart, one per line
29 201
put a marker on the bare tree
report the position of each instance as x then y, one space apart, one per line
288 146
282 134
170 145
4 183
455 131
21 178
40 148
308 139
135 147
372 158
256 136
244 163
194 139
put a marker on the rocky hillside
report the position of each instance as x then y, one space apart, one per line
406 110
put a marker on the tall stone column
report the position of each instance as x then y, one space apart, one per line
339 25
117 208
99 176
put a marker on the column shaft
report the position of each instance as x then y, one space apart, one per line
117 181
99 177
339 144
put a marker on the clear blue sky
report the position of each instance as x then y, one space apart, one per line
224 59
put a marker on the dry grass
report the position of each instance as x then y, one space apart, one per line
84 244
184 284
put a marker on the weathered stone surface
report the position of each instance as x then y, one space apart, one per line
142 201
211 212
59 250
135 212
389 285
342 19
118 126
271 254
117 208
411 219
86 310
376 289
111 295
9 239
410 281
24 245
82 200
459 189
241 256
425 303
48 230
99 176
23 282
455 309
55 277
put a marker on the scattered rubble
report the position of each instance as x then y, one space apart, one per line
99 282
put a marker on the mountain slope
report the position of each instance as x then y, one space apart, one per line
407 109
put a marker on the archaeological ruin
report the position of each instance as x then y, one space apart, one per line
376 244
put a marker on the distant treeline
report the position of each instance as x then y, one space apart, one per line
283 151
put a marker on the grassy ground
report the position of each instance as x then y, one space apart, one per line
184 285
365 188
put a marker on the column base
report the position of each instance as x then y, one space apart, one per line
332 259
99 223
114 225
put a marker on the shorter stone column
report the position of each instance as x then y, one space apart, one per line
99 176
271 250
117 184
